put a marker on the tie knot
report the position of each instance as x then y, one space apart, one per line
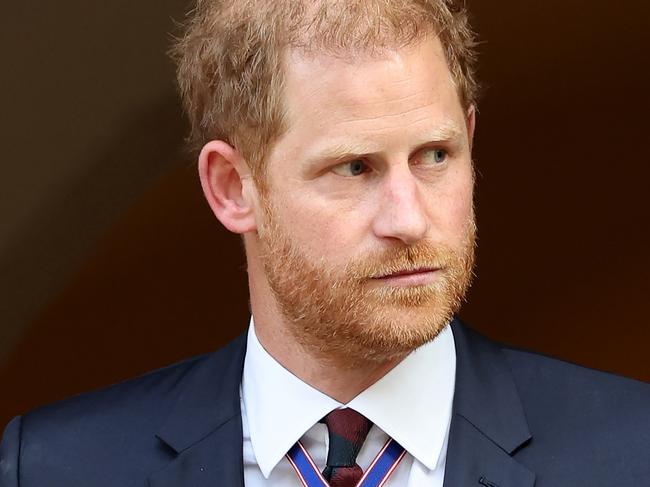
347 431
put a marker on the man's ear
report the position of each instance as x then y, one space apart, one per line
471 125
228 186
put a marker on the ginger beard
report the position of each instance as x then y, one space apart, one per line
340 314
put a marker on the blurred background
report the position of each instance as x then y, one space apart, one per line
111 264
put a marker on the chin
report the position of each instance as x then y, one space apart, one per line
384 336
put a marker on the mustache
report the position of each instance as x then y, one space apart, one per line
404 259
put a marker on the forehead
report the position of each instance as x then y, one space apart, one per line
374 101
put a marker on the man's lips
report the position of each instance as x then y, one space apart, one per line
409 277
411 272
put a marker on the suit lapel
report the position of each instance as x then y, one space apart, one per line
204 429
488 424
215 461
472 456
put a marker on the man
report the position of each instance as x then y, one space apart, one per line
336 139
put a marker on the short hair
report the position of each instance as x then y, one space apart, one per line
230 56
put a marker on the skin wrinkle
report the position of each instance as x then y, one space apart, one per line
386 116
398 102
410 124
382 106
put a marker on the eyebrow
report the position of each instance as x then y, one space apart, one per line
342 151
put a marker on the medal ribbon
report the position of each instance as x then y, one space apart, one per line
376 475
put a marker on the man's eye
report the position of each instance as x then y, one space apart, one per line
433 156
351 168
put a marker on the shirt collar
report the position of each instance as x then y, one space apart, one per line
411 403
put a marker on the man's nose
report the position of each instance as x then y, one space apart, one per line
401 210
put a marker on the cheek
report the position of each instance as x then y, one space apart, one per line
327 229
451 208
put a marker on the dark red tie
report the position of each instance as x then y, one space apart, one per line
347 432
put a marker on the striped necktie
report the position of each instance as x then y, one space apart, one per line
347 431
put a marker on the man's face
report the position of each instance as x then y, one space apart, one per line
367 231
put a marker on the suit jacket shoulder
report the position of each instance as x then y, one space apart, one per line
522 418
109 437
583 413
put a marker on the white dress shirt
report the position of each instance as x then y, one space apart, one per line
412 404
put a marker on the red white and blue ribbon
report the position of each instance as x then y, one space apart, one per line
375 475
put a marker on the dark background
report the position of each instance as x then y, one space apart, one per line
111 264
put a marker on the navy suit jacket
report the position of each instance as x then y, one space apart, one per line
519 419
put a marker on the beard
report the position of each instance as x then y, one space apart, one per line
340 314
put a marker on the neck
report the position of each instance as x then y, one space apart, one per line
339 381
